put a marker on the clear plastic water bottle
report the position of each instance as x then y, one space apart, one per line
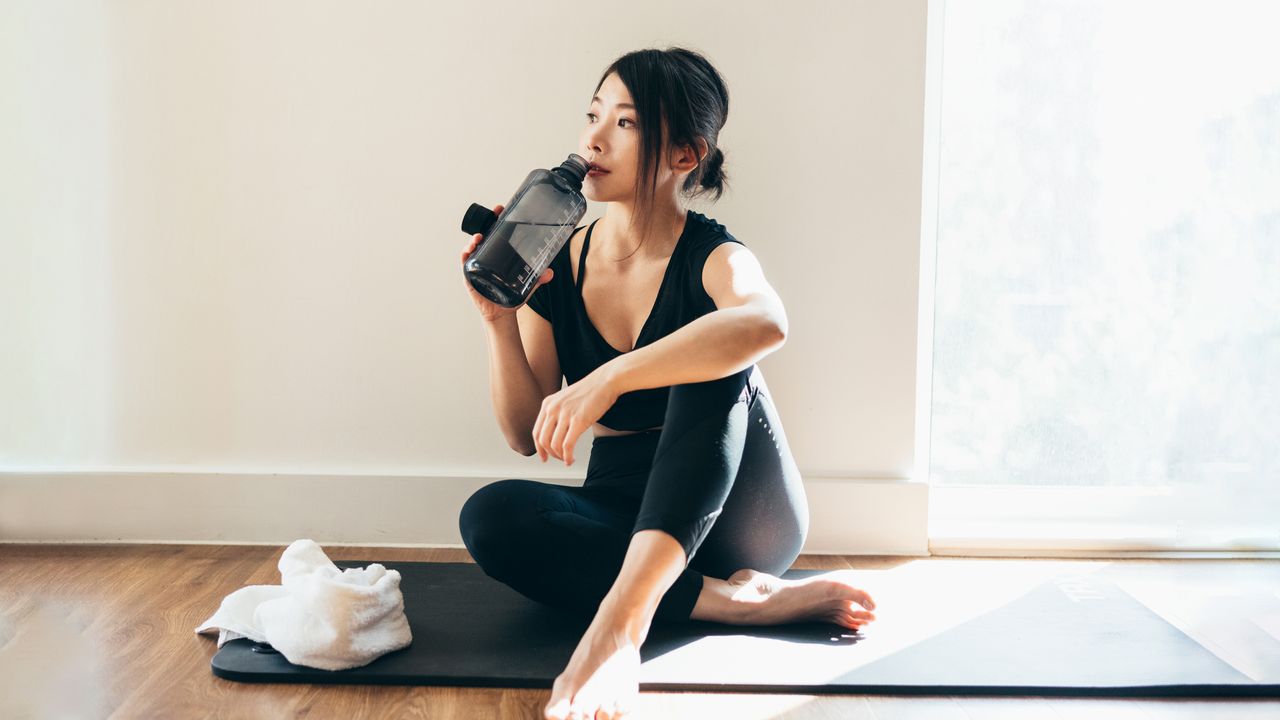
520 243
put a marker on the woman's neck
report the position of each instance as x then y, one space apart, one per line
620 243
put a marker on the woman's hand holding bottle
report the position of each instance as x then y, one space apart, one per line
489 310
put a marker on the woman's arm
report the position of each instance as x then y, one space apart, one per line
517 398
715 345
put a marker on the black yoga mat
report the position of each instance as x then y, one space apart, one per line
469 629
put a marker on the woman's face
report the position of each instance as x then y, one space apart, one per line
611 139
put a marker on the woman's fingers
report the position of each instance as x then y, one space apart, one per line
543 430
557 440
548 443
537 436
477 237
470 246
567 442
542 447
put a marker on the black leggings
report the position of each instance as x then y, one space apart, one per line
718 477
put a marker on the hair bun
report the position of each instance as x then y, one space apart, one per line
712 172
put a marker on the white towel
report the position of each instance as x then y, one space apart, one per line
321 617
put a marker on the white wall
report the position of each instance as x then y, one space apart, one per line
229 232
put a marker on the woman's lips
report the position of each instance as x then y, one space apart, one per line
595 171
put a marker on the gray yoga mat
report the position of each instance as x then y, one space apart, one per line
469 629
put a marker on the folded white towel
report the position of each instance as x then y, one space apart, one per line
321 617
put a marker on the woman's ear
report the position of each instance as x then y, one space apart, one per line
686 158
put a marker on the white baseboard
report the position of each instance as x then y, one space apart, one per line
847 516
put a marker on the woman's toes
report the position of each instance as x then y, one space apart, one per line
561 705
852 594
855 611
843 580
557 709
590 710
852 620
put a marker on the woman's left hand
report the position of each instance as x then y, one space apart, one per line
566 414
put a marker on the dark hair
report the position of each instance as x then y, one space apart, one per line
677 90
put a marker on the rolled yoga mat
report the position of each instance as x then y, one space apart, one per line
1053 640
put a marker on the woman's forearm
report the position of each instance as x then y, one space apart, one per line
516 397
715 345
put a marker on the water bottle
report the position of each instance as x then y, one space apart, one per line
520 243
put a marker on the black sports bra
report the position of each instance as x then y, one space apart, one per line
681 299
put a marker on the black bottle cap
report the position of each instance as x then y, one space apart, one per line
479 219
573 169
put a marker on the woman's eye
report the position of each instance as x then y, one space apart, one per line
593 115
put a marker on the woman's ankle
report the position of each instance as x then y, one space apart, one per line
717 604
627 618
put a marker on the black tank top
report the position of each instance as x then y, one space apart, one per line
681 300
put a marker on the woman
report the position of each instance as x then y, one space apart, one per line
692 504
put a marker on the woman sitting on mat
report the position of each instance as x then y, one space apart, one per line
658 329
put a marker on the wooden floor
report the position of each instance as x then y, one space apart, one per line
100 631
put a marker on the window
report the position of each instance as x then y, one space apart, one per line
1106 347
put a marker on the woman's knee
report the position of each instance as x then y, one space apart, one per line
727 552
713 393
493 517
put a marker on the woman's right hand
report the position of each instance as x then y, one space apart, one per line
489 310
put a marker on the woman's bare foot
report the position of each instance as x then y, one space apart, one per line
750 597
602 677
